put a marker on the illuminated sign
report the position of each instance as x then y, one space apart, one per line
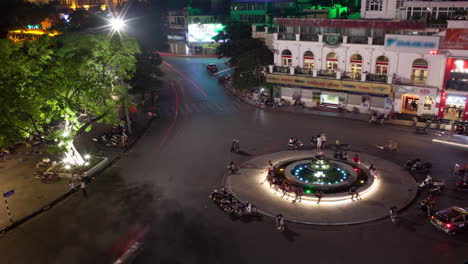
203 32
411 43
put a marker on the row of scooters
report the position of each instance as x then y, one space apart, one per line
232 206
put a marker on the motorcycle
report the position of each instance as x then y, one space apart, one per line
295 145
106 140
417 166
432 186
462 185
232 206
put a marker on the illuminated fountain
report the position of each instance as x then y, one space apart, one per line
321 173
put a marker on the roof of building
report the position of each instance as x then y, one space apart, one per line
347 23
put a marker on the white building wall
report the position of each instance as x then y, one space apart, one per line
399 63
388 11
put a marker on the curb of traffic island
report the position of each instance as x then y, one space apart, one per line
408 203
98 169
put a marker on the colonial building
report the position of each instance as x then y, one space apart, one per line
358 64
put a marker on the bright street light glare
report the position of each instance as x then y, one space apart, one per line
117 24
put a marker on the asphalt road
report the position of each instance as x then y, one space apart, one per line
162 186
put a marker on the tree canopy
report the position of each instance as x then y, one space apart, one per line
247 55
70 79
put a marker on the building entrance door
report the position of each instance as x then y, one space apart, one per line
410 103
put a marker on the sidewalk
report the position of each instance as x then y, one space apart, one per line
306 110
31 195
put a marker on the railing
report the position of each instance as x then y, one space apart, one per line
286 36
303 71
357 39
281 69
378 40
416 79
309 37
327 73
351 76
376 78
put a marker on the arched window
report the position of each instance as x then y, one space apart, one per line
286 58
355 67
419 71
381 66
308 60
332 61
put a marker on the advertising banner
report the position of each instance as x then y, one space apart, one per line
366 87
408 43
456 38
203 32
331 84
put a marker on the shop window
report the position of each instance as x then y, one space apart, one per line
381 66
332 61
419 71
355 67
286 58
428 103
308 60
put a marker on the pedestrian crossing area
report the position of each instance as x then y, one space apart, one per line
187 109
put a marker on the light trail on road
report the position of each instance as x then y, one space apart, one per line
176 115
186 78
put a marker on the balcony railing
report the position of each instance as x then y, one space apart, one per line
327 73
286 36
378 40
351 76
357 39
309 37
304 71
376 78
281 69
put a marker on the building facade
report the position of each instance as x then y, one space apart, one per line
430 11
177 31
365 65
454 103
263 12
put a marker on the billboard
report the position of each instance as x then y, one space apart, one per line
411 43
456 38
203 32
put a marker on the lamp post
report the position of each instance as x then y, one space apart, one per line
117 24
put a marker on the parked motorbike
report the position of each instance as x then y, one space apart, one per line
107 140
462 184
417 166
432 186
295 145
231 205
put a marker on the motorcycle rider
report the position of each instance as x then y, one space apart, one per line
280 222
235 146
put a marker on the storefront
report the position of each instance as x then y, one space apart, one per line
455 105
349 94
415 100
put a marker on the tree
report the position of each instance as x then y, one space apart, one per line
55 88
247 55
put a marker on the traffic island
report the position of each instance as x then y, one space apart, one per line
349 193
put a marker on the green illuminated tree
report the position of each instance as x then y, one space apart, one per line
63 84
247 55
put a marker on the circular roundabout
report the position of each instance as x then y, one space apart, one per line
314 188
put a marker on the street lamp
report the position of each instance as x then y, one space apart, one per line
117 24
